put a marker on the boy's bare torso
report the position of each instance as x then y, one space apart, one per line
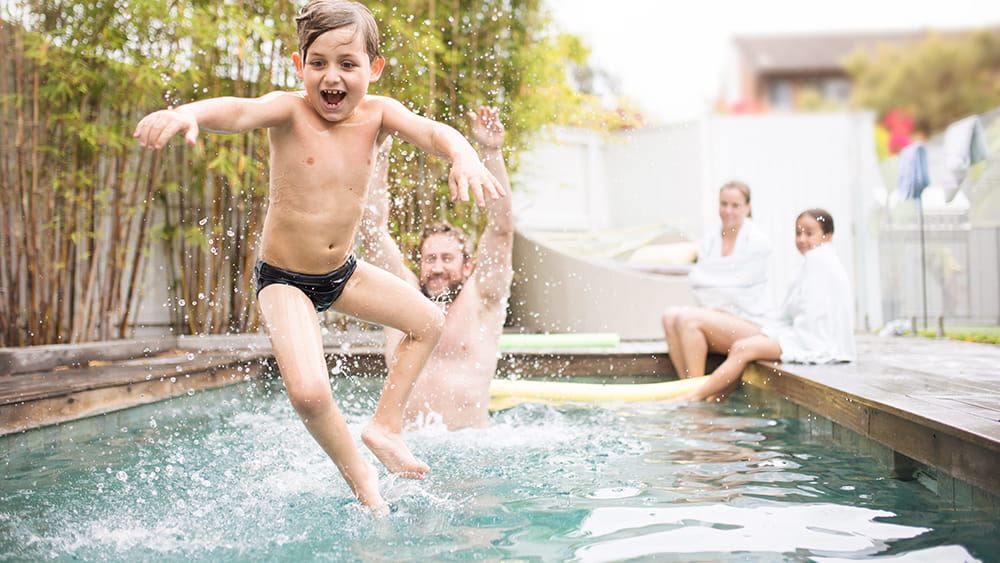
319 174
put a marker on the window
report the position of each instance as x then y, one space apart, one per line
779 94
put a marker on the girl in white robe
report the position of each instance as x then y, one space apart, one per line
729 281
814 325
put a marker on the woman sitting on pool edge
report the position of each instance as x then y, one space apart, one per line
729 281
815 324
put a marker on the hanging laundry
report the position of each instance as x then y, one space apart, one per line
964 145
913 177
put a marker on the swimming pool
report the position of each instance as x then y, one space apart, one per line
231 475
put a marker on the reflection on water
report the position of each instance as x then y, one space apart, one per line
232 475
764 528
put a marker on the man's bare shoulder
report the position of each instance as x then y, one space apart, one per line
473 298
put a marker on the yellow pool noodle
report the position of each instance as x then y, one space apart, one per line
505 393
560 340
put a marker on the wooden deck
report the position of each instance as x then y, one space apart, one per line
931 401
934 401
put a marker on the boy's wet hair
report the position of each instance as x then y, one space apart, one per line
443 228
822 216
319 16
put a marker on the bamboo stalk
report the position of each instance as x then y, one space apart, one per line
170 250
93 225
453 75
31 193
19 230
139 243
8 320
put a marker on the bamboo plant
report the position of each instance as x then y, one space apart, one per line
84 211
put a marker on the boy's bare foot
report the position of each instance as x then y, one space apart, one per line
365 487
389 448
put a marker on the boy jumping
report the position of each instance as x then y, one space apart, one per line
323 143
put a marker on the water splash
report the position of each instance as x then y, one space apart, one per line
231 477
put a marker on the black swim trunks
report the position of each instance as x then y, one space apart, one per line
321 289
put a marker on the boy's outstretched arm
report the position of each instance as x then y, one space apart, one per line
467 171
217 115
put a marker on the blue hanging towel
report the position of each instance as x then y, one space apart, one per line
913 176
964 145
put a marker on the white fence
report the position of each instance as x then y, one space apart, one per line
581 181
954 273
670 175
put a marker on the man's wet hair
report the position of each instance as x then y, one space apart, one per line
442 227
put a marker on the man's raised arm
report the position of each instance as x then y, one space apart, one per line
494 268
379 247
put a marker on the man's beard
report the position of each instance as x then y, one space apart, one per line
446 296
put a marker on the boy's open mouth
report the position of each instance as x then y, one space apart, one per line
332 98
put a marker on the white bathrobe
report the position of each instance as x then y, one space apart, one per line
736 283
815 325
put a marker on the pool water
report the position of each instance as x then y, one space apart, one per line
232 475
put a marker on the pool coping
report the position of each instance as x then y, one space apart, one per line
970 453
909 410
46 385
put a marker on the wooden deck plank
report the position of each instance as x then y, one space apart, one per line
936 401
37 385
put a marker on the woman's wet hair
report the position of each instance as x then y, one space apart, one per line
743 189
822 216
319 16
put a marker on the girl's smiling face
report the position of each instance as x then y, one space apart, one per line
809 233
336 72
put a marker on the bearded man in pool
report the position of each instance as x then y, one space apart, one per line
472 292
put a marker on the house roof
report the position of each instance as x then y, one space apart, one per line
776 54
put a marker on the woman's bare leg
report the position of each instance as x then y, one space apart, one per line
708 330
377 296
293 328
727 376
673 320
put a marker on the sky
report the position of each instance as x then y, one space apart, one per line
670 57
